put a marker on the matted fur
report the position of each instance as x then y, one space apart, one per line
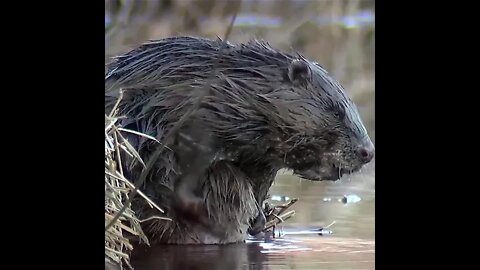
263 116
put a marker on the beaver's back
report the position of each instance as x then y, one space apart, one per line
174 60
165 75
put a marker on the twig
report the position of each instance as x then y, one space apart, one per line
279 219
276 214
277 210
154 217
120 97
139 134
110 124
117 252
119 160
143 195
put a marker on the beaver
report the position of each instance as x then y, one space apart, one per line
264 110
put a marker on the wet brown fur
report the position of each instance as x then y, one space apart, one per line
265 110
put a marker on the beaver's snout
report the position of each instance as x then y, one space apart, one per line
366 151
332 166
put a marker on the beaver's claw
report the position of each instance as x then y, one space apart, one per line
258 224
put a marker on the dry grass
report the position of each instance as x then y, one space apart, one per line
117 190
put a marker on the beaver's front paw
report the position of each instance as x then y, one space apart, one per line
258 224
189 204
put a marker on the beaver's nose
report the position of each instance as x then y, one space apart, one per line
366 152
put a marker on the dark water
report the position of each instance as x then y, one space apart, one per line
350 246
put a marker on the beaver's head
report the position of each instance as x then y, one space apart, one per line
266 108
326 138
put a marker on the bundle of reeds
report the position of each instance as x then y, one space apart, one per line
120 219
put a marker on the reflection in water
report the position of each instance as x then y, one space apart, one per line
202 257
350 246
286 253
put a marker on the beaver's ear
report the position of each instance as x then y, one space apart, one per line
299 71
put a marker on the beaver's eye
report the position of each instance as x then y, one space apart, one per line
339 114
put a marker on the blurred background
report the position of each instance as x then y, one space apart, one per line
338 34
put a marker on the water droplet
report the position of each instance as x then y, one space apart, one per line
350 198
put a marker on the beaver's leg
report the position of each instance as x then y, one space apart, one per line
261 187
195 154
258 223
